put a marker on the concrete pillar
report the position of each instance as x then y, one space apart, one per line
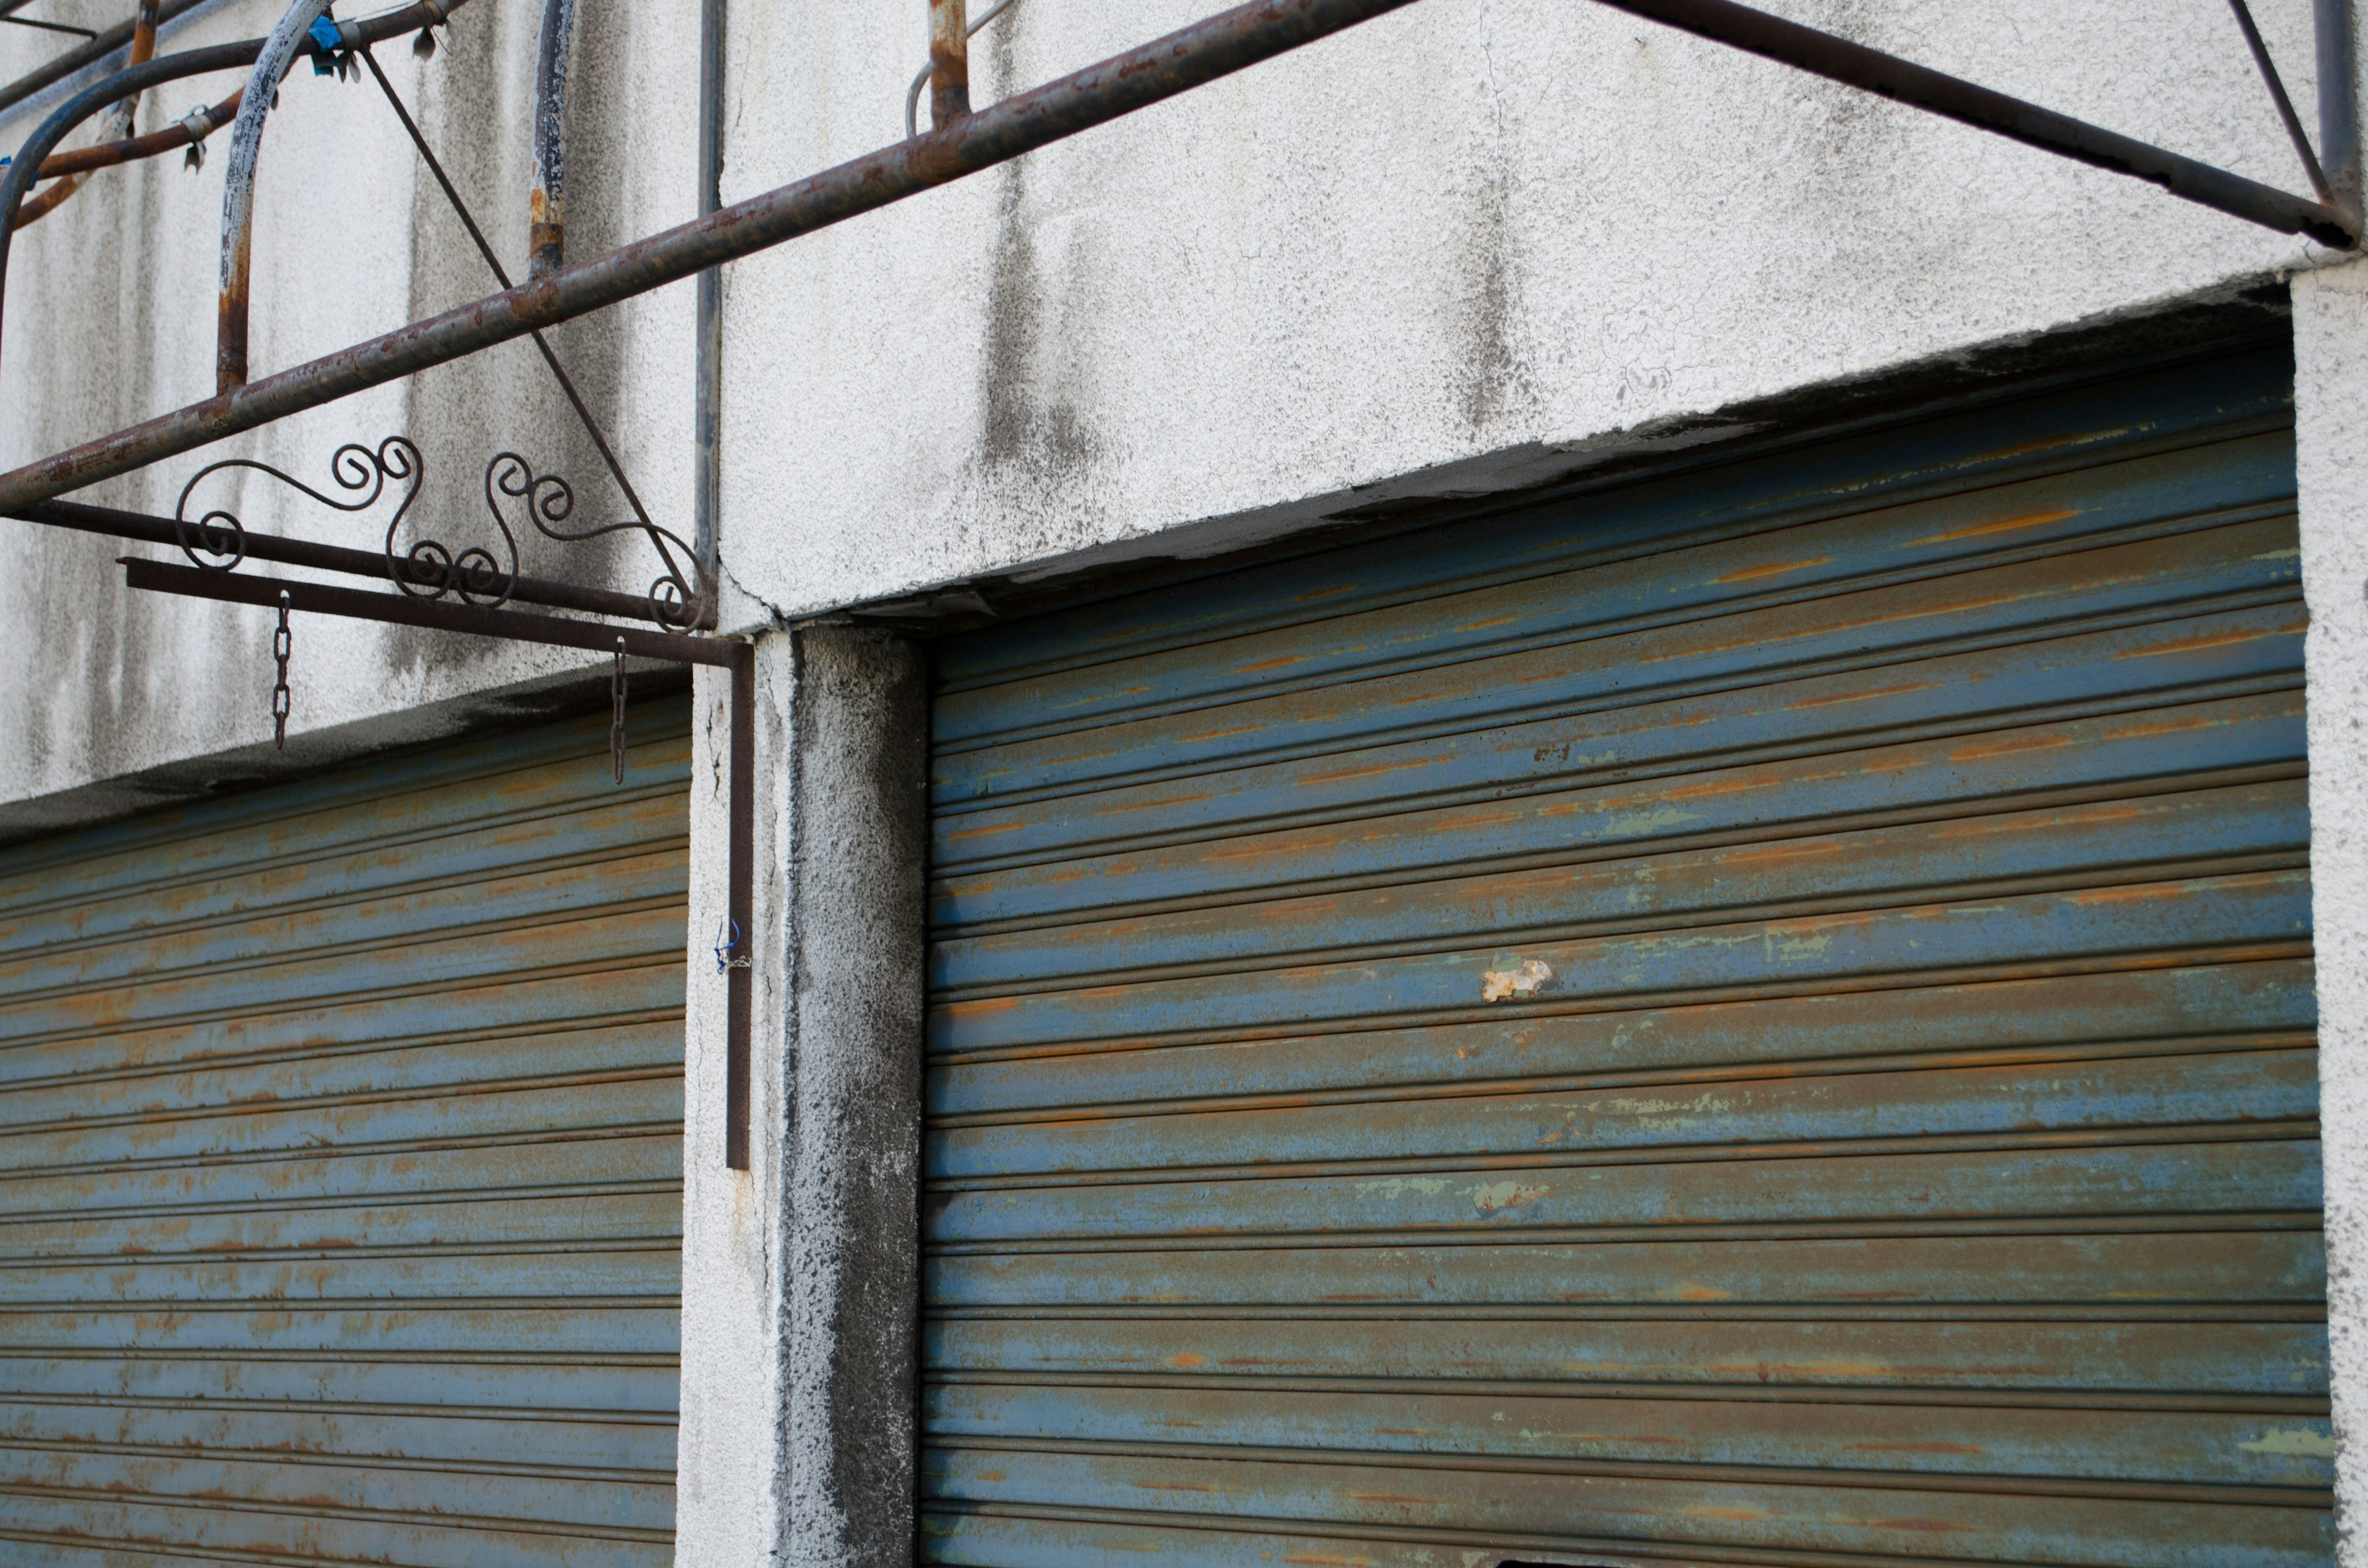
2331 434
800 1278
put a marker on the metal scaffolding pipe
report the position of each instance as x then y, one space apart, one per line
116 126
54 70
238 187
546 243
1202 53
182 132
34 154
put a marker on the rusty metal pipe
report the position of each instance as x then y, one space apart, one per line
546 243
116 126
21 172
238 189
107 155
1822 54
913 92
74 60
1217 47
948 63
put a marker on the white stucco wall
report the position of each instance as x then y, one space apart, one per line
1469 245
110 312
1471 241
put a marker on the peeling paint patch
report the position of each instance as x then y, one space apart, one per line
1533 976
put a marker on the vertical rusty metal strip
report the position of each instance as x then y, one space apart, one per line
948 63
238 189
547 202
742 871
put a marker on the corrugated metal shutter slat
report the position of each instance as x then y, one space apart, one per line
1762 1015
340 1167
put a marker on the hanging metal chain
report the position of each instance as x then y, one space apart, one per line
281 643
617 713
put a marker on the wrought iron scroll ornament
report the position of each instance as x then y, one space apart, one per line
216 539
674 601
428 568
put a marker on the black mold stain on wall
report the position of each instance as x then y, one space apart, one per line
1032 438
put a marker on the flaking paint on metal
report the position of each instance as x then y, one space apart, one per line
1913 1153
359 1184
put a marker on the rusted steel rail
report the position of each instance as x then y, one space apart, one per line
132 149
31 157
372 564
1216 47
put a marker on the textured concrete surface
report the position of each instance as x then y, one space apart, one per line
2332 431
800 1277
855 1107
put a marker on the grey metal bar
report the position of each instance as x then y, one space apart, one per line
1155 71
2276 84
707 409
2339 100
1756 32
271 63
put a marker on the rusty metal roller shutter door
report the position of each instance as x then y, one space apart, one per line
1757 1015
340 1167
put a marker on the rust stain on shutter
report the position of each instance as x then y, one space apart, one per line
1904 1148
340 1166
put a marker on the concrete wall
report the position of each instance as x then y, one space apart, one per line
1474 243
109 318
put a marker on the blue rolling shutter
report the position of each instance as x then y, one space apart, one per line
340 1167
1757 1015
